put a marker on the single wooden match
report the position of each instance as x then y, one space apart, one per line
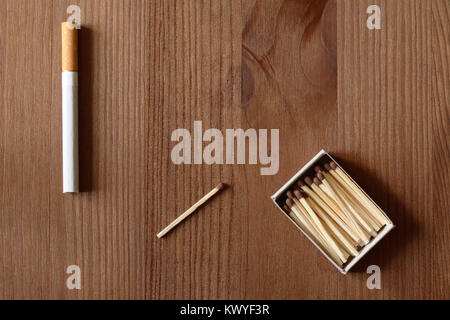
188 212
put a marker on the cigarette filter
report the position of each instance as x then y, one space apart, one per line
70 108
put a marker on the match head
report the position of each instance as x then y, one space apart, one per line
317 168
320 176
286 208
333 165
327 167
300 183
221 186
289 203
298 194
317 181
290 194
308 181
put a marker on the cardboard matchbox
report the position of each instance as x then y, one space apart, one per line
319 159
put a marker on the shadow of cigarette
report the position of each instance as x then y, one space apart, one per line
85 109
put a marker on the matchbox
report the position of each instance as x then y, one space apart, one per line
333 211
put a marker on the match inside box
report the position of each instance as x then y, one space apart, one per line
333 211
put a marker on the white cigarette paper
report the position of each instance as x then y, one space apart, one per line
70 131
70 107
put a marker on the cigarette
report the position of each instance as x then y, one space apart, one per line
70 108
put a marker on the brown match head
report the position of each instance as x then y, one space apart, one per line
333 165
300 183
298 194
286 208
317 168
289 203
320 176
317 181
327 167
308 181
290 195
221 186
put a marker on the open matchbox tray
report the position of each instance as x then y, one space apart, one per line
321 158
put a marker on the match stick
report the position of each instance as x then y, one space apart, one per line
369 204
328 205
319 225
69 37
320 188
298 218
334 194
347 204
298 215
302 215
316 186
333 228
355 213
188 212
351 201
298 207
334 212
354 201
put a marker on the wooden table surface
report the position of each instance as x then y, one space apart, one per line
378 100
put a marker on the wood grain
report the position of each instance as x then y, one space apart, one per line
440 93
377 100
387 105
